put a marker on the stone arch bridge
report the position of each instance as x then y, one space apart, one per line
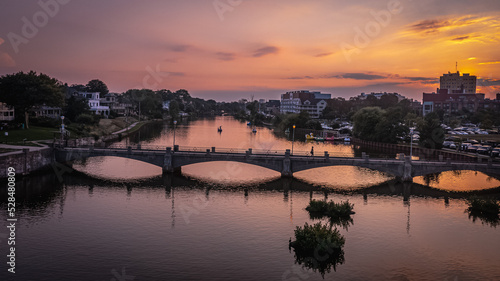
171 161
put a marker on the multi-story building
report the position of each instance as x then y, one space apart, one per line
312 102
6 112
457 84
273 106
95 103
457 93
116 104
453 103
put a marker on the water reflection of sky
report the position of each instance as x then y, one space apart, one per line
117 168
190 234
459 181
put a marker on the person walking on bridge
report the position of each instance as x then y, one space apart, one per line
312 151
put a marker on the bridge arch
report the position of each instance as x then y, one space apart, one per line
420 169
271 165
381 169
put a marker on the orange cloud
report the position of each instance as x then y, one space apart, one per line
490 62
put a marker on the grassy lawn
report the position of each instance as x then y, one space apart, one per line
33 133
106 126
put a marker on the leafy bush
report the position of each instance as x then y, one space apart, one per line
337 213
483 206
86 119
318 237
330 209
487 210
47 122
318 247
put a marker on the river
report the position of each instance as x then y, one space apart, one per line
119 219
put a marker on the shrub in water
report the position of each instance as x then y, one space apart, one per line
318 247
487 210
337 213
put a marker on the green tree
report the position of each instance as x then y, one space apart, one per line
146 102
375 124
97 85
431 133
23 91
173 109
76 106
79 87
388 100
391 127
365 122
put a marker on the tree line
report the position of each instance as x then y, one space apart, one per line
25 91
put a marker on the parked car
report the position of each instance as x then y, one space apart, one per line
465 145
495 152
484 149
473 148
449 144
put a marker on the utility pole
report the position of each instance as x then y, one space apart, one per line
139 110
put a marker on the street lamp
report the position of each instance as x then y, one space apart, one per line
411 143
293 137
62 130
175 123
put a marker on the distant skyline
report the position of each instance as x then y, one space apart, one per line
228 50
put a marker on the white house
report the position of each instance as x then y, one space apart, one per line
6 112
95 103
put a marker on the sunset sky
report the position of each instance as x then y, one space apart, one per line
229 49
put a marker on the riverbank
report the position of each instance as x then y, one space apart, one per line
32 156
26 161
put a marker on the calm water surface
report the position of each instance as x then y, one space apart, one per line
127 222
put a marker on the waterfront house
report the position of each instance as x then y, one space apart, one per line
6 112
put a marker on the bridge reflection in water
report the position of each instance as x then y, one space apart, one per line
171 161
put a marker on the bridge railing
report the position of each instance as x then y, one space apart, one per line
202 149
262 152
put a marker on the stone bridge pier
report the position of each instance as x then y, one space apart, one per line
286 171
407 173
168 166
